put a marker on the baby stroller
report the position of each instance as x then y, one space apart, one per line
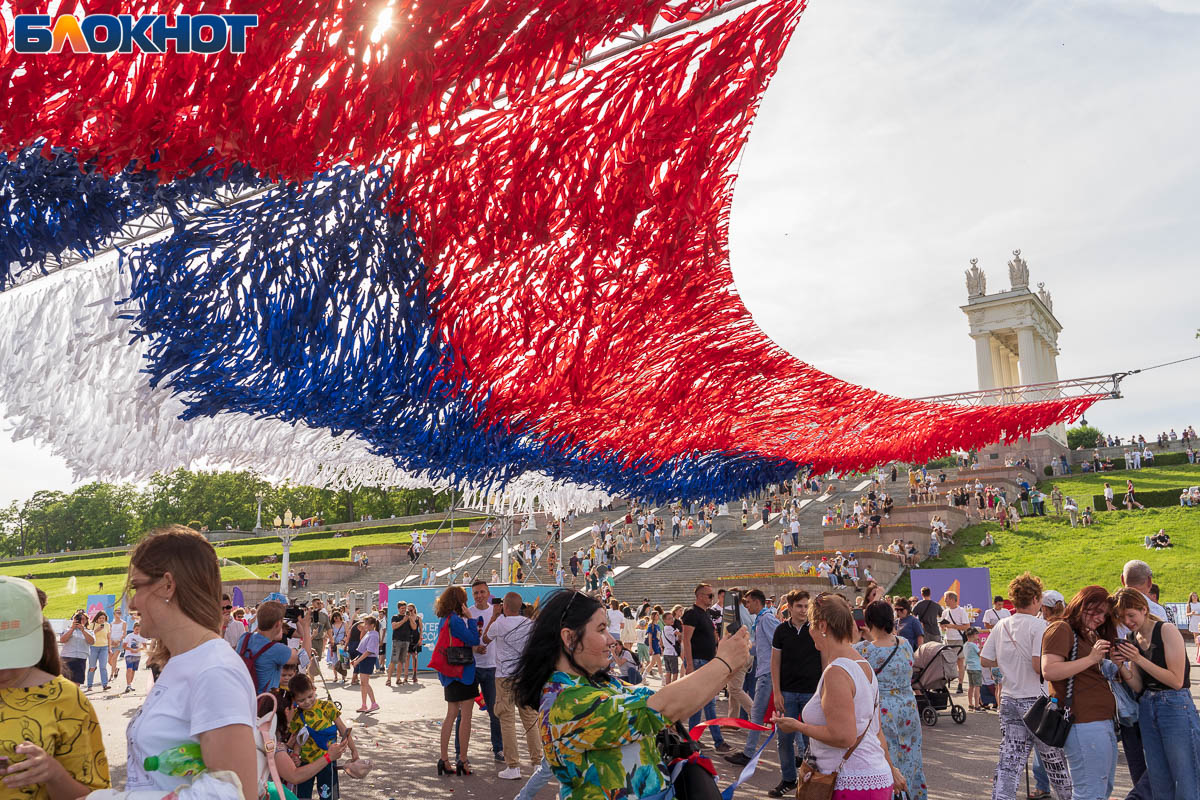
934 666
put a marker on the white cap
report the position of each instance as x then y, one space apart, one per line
20 624
1051 598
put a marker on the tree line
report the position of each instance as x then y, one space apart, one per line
104 514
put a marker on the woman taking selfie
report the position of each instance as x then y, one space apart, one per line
1072 649
175 588
456 630
841 720
599 734
49 735
76 641
1153 661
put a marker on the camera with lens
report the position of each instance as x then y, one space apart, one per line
79 618
294 611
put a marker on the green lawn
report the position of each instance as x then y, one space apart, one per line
1084 487
1067 559
61 602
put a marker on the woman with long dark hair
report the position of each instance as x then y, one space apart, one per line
598 733
1072 649
49 727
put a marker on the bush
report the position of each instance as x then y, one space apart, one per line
225 522
1153 498
1084 436
1048 471
195 524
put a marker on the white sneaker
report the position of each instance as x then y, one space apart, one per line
510 774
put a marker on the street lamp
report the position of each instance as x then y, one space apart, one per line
286 533
259 496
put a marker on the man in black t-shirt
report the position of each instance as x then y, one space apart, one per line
698 647
795 672
398 652
929 613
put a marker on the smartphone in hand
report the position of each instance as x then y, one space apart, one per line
731 612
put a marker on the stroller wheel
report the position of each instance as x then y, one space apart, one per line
337 704
929 715
958 714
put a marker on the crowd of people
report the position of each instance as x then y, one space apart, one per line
570 679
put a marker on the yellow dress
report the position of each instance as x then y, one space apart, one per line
57 717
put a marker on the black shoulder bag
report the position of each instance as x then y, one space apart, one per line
1049 722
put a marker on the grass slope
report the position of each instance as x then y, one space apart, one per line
1067 559
1083 487
62 603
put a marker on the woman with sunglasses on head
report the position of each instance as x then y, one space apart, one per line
459 685
1153 661
841 720
598 734
1072 650
204 693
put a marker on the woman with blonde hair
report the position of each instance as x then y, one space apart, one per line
455 632
204 693
1153 661
841 720
98 652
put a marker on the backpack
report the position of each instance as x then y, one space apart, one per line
248 659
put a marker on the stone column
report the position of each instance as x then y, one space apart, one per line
983 360
1028 350
998 376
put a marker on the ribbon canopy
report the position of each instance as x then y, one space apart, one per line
426 254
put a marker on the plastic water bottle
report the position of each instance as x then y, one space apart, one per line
182 761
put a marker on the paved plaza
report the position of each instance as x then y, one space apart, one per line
402 741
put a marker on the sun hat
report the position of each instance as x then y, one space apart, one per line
20 624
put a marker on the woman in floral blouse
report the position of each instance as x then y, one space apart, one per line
598 734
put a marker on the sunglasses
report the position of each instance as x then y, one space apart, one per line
226 608
563 618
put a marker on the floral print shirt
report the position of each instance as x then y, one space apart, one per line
600 741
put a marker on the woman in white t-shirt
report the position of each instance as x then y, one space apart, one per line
204 693
843 716
1015 645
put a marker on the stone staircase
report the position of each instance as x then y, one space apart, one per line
670 576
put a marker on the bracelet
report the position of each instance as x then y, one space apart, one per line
723 661
328 760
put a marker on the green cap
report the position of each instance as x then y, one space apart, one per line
150 764
20 624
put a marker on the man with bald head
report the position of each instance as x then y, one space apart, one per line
507 632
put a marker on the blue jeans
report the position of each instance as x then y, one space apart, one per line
1041 781
710 709
1091 751
762 693
792 703
1171 742
98 654
537 781
486 676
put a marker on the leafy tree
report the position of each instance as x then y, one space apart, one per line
1084 436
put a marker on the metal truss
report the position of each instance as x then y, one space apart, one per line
1102 387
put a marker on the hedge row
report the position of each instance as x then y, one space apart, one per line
308 555
1150 498
1160 460
318 533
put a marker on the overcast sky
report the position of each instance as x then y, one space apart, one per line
900 140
